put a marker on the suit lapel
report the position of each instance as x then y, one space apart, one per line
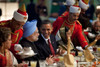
45 45
52 40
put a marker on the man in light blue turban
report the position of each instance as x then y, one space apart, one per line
29 28
30 35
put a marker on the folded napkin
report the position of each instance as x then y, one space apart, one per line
68 58
24 52
88 55
27 52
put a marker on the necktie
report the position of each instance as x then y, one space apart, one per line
51 47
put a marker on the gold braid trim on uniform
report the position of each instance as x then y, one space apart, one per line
63 14
13 41
63 25
62 31
14 33
69 23
85 36
3 23
84 41
72 28
78 22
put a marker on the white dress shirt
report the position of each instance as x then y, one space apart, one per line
46 40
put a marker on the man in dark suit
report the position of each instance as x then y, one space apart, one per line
43 45
30 35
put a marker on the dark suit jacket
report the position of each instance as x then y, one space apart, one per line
25 43
43 47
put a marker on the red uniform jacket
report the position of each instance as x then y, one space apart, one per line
75 28
16 36
65 14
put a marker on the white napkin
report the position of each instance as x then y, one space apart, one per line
79 48
24 52
27 52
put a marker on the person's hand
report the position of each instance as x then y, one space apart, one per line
50 60
20 65
61 51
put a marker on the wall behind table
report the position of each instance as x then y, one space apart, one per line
8 10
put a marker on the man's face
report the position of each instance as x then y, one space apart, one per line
34 36
46 30
73 17
97 26
17 25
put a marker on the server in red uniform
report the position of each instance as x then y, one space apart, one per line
16 25
71 21
68 4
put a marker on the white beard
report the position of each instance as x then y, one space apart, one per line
90 35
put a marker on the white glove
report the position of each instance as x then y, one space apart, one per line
79 48
90 48
18 47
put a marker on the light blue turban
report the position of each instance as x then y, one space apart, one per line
29 28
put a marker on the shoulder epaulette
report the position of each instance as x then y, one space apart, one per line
78 22
2 23
64 14
60 16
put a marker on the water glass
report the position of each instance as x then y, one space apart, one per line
42 63
33 63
